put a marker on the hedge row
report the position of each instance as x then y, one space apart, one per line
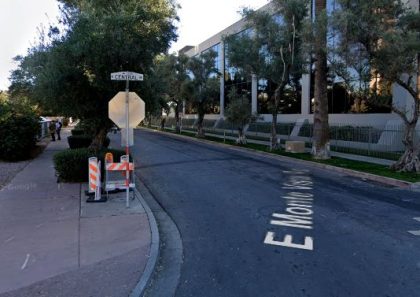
18 133
72 165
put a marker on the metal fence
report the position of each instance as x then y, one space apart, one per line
383 143
43 131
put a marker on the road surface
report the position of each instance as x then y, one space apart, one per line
254 226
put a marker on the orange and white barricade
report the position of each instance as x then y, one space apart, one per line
115 178
95 179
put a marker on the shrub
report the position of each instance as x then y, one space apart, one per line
83 141
87 126
79 141
18 133
72 165
77 131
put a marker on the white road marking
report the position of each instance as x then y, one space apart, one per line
26 262
288 242
298 213
39 225
9 239
416 233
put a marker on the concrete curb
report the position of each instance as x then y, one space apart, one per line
154 247
359 174
165 279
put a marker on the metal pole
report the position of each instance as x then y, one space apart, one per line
127 152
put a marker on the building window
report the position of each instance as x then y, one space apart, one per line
350 88
234 78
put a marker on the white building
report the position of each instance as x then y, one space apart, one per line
340 108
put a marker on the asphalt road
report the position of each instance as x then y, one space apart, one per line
253 226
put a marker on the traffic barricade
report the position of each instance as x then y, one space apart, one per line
115 174
95 187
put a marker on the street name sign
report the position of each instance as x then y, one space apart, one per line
126 75
117 111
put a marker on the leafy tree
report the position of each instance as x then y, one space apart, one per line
385 36
71 73
3 97
239 113
172 71
204 87
320 143
154 91
272 49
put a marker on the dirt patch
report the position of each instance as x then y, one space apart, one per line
8 170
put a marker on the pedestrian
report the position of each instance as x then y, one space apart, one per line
58 126
51 128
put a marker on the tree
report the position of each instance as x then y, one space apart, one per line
239 113
385 35
4 97
204 87
172 71
320 142
71 73
272 49
19 128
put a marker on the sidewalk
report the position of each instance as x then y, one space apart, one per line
52 243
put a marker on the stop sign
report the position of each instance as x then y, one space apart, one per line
116 110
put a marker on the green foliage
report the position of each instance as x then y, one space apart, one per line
86 126
19 128
81 141
77 131
238 111
172 73
70 74
3 97
380 41
272 49
204 87
72 165
384 36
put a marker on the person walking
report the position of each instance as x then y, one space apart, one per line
51 128
58 126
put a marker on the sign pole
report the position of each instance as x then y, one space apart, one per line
115 111
127 152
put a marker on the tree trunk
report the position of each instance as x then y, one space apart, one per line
149 120
320 144
273 144
241 136
99 139
409 161
418 81
200 131
178 124
162 123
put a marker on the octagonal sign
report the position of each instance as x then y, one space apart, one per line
116 109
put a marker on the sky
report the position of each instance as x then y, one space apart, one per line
19 20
